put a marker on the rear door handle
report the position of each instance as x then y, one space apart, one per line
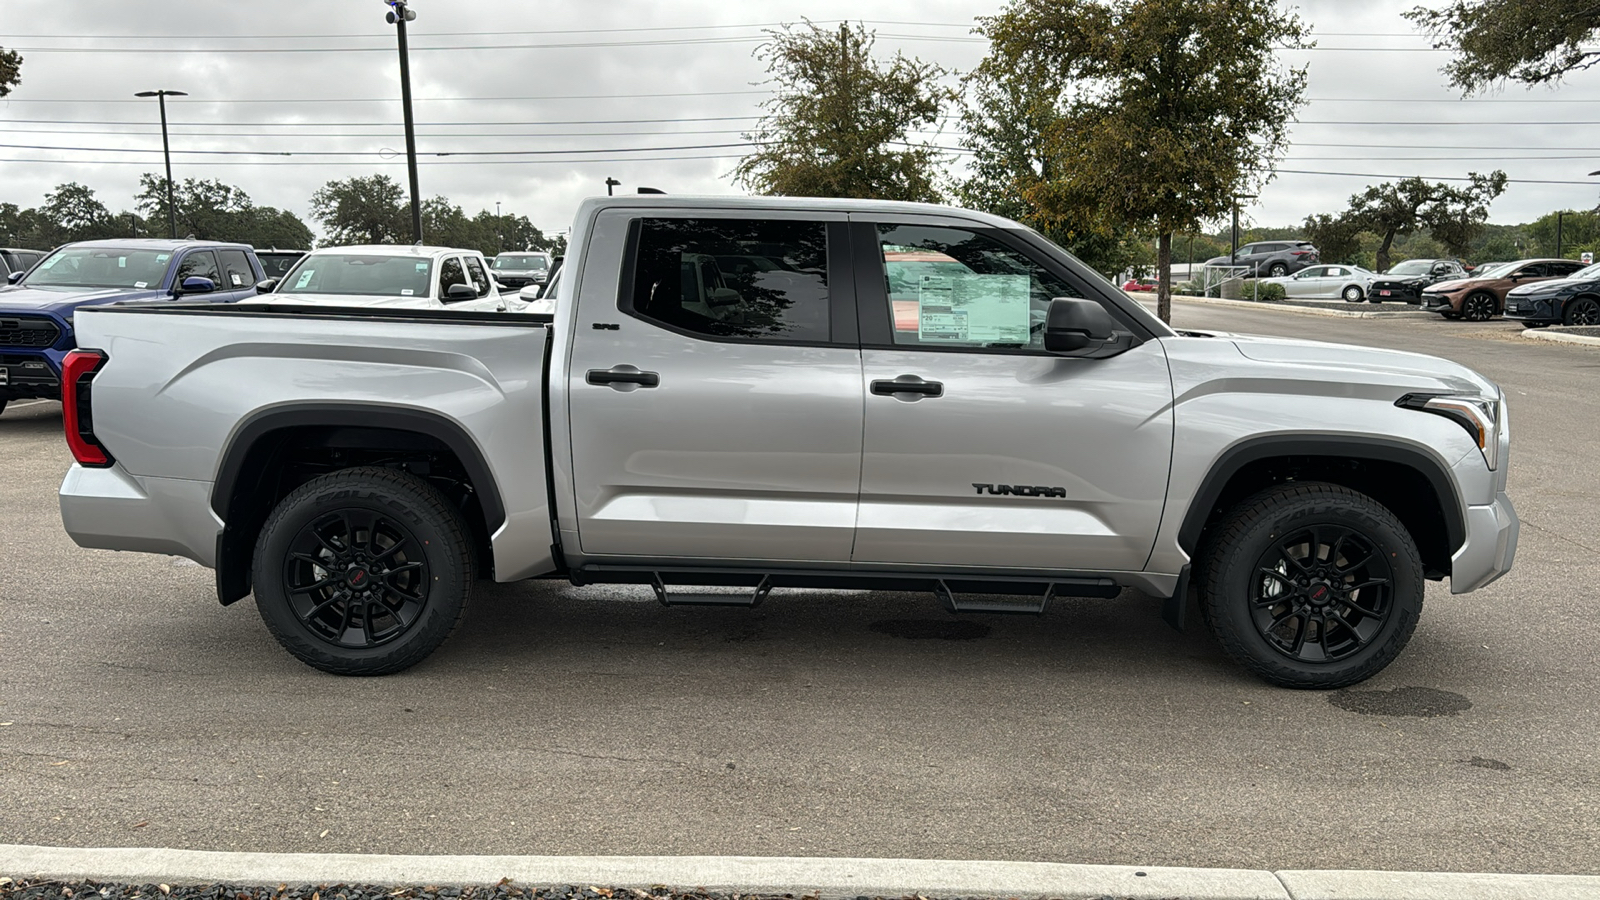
908 384
619 376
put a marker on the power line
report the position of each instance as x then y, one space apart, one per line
568 152
400 161
299 101
301 37
1428 177
386 124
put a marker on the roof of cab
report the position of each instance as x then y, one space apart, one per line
818 204
135 243
417 251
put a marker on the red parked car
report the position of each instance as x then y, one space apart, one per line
1141 284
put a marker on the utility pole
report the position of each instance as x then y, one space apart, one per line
1560 214
166 152
398 16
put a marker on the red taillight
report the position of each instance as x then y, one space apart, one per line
77 376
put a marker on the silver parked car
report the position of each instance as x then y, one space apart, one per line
1327 282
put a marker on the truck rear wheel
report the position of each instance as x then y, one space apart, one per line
1310 585
363 572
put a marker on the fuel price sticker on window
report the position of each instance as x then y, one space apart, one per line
974 309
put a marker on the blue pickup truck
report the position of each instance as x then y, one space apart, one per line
36 306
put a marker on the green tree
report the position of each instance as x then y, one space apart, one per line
72 213
1337 238
840 123
10 70
1580 231
1453 216
1495 41
1003 113
362 210
1172 108
215 211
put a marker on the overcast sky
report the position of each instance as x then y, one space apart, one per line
593 76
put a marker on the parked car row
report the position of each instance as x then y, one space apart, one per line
43 290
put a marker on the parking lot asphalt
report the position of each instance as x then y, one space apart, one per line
135 711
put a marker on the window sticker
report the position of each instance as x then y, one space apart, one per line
422 267
304 279
236 278
50 263
407 292
983 309
163 257
122 262
141 284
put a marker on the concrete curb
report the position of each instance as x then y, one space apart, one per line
827 878
1542 334
1299 310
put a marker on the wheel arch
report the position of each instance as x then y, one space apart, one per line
257 469
1414 485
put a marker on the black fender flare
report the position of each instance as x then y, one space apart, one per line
1340 446
232 577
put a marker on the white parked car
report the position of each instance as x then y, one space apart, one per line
1327 282
389 275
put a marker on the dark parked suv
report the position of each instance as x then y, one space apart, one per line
1574 300
1272 259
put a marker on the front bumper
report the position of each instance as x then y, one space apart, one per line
30 374
112 509
1440 303
1490 547
1533 309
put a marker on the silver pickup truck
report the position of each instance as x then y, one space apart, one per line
735 396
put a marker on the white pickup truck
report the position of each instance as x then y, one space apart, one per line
760 394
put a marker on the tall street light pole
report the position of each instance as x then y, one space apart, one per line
399 15
166 152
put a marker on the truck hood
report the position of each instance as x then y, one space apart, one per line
1410 368
64 300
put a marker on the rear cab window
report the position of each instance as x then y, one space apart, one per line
739 279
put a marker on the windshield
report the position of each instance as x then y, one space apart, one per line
1413 267
359 274
521 261
1585 274
1488 269
102 267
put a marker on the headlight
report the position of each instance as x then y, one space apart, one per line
1483 418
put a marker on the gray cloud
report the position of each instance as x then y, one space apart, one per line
348 101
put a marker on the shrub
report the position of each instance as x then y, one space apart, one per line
1265 292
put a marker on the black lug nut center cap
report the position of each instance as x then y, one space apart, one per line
1320 594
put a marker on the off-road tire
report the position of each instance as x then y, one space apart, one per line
1229 565
402 504
1582 311
1479 307
1354 294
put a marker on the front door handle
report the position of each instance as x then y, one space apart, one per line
908 384
620 377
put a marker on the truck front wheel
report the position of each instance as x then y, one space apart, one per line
1310 585
362 572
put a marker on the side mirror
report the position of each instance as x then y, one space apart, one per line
459 292
1077 327
530 293
15 277
195 284
265 285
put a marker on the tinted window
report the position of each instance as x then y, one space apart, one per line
1563 269
276 265
740 278
199 264
480 278
950 287
235 269
450 273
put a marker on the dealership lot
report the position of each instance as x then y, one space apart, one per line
590 720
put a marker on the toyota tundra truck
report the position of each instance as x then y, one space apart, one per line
738 396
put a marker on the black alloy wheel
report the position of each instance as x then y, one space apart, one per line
363 571
356 579
1353 294
1310 585
1479 307
1321 593
1583 311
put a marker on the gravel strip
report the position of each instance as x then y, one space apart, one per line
93 890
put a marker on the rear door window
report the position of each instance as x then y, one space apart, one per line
746 279
236 271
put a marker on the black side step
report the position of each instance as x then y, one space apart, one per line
956 606
749 601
